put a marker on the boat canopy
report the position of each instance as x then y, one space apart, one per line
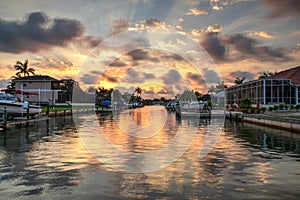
15 91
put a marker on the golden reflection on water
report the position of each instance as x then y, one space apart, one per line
232 168
186 170
60 152
188 174
137 144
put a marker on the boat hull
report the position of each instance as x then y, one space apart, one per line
17 108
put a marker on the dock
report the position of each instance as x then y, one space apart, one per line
4 124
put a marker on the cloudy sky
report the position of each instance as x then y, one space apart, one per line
163 46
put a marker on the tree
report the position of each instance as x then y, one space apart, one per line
221 86
198 95
91 89
22 68
212 89
126 96
11 84
266 75
239 81
138 91
116 96
102 94
217 88
136 95
187 95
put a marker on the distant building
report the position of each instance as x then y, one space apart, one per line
51 90
218 98
281 88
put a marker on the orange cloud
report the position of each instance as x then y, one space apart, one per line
197 11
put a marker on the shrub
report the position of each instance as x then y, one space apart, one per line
263 109
292 107
245 103
281 106
270 109
297 106
286 106
276 107
245 110
252 110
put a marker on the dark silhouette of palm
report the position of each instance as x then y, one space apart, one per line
11 85
266 75
138 91
239 80
22 69
217 88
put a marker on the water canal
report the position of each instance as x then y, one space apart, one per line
50 160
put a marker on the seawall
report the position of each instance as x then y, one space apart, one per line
290 124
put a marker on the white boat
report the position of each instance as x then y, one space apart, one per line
8 102
193 109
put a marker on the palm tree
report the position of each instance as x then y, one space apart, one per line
212 89
11 85
138 91
136 95
220 87
102 94
198 95
22 68
217 88
238 80
266 75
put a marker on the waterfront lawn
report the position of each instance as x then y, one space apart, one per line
63 107
57 108
294 116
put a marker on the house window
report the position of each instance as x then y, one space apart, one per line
24 84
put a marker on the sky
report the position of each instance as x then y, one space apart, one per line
162 46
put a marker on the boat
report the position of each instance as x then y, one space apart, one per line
172 105
105 106
13 106
193 109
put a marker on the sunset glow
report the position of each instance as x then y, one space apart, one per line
242 39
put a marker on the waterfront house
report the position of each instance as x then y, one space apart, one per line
50 90
281 88
218 98
42 85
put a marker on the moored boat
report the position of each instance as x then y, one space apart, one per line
9 103
193 109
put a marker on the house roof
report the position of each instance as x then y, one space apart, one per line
293 74
36 78
219 94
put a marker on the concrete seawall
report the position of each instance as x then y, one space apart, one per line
271 121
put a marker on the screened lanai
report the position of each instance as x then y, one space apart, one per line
265 91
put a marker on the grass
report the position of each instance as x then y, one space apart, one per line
293 116
64 107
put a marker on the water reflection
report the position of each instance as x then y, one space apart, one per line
44 157
48 160
265 138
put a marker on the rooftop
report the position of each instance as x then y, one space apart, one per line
36 78
293 74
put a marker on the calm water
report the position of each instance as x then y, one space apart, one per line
50 160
